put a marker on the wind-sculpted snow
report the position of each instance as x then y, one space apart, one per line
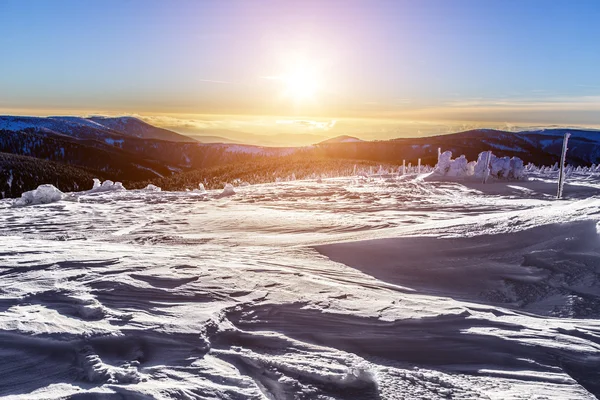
353 288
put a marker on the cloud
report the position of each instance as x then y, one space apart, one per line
308 124
580 103
541 110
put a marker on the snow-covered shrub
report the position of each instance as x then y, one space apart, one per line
458 167
443 164
42 195
482 169
499 167
517 170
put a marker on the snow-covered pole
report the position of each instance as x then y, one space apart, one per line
439 152
419 167
403 167
486 171
561 174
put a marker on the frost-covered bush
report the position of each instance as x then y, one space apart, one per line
499 167
482 169
444 161
458 167
42 195
517 170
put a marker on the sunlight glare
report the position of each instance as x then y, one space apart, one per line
301 84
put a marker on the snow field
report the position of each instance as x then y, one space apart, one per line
344 289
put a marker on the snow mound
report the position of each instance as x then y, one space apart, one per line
227 190
152 188
499 167
44 194
107 186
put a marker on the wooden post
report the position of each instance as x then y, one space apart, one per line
403 167
488 159
419 167
561 174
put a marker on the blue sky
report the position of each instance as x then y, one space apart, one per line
487 61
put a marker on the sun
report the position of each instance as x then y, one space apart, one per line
301 84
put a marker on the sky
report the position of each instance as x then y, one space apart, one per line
375 69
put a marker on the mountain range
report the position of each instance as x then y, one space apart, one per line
130 150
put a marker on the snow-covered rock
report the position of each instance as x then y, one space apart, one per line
152 188
106 186
42 195
228 190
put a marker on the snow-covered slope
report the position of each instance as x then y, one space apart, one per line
97 128
342 139
541 147
345 289
583 144
130 126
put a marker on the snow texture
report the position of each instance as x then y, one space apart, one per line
349 288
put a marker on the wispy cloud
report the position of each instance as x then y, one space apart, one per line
308 124
531 103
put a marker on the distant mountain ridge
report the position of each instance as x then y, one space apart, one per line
130 150
97 128
542 147
342 139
